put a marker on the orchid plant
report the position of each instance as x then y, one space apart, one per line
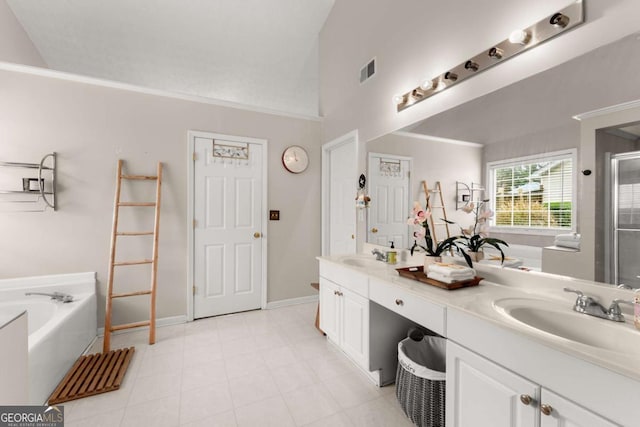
476 236
419 221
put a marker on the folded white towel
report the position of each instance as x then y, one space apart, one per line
565 244
446 279
572 237
452 270
508 261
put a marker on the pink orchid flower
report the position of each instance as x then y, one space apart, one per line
486 214
419 215
468 208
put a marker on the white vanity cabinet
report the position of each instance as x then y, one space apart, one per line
408 305
490 368
344 312
481 393
566 413
485 394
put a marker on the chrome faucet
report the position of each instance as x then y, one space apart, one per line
614 309
58 296
587 305
379 255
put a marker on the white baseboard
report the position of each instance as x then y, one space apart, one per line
165 321
291 301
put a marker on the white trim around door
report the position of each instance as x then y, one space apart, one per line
349 138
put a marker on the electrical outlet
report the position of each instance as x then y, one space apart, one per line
274 215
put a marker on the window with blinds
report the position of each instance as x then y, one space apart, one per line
534 193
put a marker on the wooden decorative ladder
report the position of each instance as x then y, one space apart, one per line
431 207
108 327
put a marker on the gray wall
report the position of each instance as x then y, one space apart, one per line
90 126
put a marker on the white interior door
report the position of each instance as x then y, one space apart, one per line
389 190
343 184
228 270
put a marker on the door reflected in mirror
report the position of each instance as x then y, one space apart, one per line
389 187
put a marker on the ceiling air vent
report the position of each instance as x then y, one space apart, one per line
368 71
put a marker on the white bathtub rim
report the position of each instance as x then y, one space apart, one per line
74 284
48 280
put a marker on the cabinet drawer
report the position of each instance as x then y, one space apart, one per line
345 277
406 304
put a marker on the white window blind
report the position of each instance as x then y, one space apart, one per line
534 193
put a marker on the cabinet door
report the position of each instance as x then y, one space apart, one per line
329 309
355 326
564 413
483 394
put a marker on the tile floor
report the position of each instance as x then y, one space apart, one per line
260 368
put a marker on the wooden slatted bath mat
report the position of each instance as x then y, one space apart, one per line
93 374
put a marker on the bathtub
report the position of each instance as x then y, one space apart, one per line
58 332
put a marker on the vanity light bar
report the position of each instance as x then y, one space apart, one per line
519 41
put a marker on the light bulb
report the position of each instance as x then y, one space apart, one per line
519 37
398 99
427 84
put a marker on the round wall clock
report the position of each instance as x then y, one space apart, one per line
295 159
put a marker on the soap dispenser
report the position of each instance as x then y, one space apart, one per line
392 255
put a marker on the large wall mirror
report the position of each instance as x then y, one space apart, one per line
535 118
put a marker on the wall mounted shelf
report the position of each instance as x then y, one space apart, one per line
466 194
37 182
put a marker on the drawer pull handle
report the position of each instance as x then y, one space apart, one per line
399 302
546 409
526 399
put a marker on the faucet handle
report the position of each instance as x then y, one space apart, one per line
614 308
581 302
575 291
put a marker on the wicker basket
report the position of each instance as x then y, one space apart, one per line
420 380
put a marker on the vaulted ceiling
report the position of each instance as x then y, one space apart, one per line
253 52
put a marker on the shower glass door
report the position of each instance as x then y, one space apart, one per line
626 218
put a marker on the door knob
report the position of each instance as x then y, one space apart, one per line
546 409
257 235
374 230
526 399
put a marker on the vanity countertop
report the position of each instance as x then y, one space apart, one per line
533 289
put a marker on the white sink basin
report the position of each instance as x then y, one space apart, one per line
560 320
363 262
